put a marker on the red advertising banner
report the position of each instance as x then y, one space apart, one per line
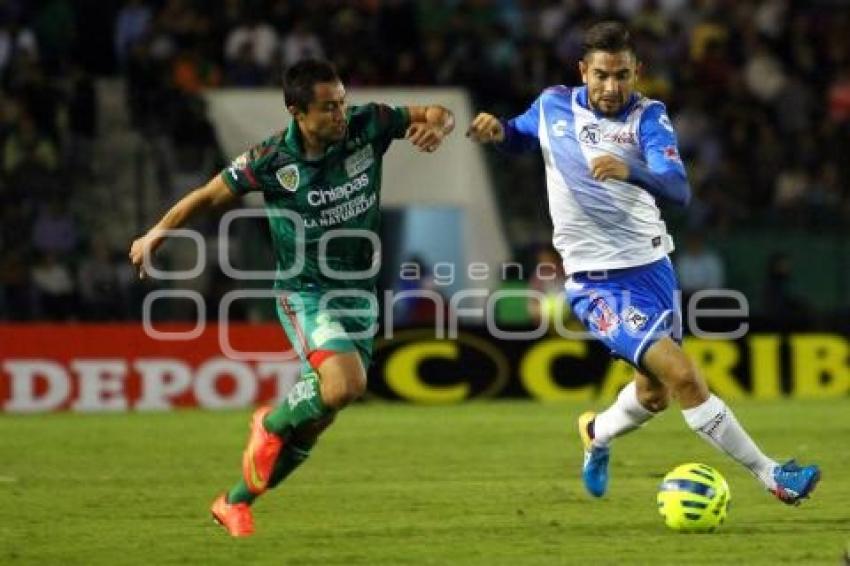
120 367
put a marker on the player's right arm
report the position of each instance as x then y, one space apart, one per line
214 194
516 135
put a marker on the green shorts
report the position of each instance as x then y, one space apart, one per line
317 328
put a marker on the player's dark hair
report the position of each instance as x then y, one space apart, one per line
609 36
300 78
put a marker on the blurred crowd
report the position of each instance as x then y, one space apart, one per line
759 93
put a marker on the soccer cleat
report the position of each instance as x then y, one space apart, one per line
595 470
236 518
261 453
794 483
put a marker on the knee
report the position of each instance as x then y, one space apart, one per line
655 400
338 393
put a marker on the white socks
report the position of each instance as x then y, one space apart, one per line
625 415
714 421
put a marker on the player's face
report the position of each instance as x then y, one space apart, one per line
610 79
325 115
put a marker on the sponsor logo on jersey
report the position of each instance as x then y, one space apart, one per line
635 319
288 177
320 197
602 316
359 161
622 138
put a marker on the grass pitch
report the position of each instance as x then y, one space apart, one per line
481 483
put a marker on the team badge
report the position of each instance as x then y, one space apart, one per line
590 134
288 177
635 319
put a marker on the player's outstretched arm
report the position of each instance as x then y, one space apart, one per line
516 135
486 128
429 125
215 193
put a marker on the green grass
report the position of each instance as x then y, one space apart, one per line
482 483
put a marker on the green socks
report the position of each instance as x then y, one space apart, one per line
239 493
302 405
293 455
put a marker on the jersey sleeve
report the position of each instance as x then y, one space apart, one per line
664 174
521 132
241 175
390 123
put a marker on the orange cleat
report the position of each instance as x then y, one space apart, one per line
236 518
259 457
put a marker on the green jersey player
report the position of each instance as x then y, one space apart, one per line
321 180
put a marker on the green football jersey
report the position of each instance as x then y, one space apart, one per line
310 202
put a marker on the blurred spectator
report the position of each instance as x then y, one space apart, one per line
55 26
244 71
763 74
26 148
15 40
784 309
259 38
839 96
99 290
792 183
301 43
698 266
16 301
54 289
54 231
82 122
145 89
193 71
131 26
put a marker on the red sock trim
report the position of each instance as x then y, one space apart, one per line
316 357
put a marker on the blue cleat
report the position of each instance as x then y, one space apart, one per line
794 483
595 470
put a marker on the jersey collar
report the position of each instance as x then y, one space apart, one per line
295 145
583 102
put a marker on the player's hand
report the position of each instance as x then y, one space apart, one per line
424 136
608 167
486 128
139 248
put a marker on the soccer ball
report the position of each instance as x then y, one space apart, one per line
693 498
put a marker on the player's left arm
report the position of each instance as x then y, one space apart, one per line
429 125
664 174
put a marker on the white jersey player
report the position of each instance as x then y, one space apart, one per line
610 156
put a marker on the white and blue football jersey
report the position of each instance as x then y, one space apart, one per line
611 224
